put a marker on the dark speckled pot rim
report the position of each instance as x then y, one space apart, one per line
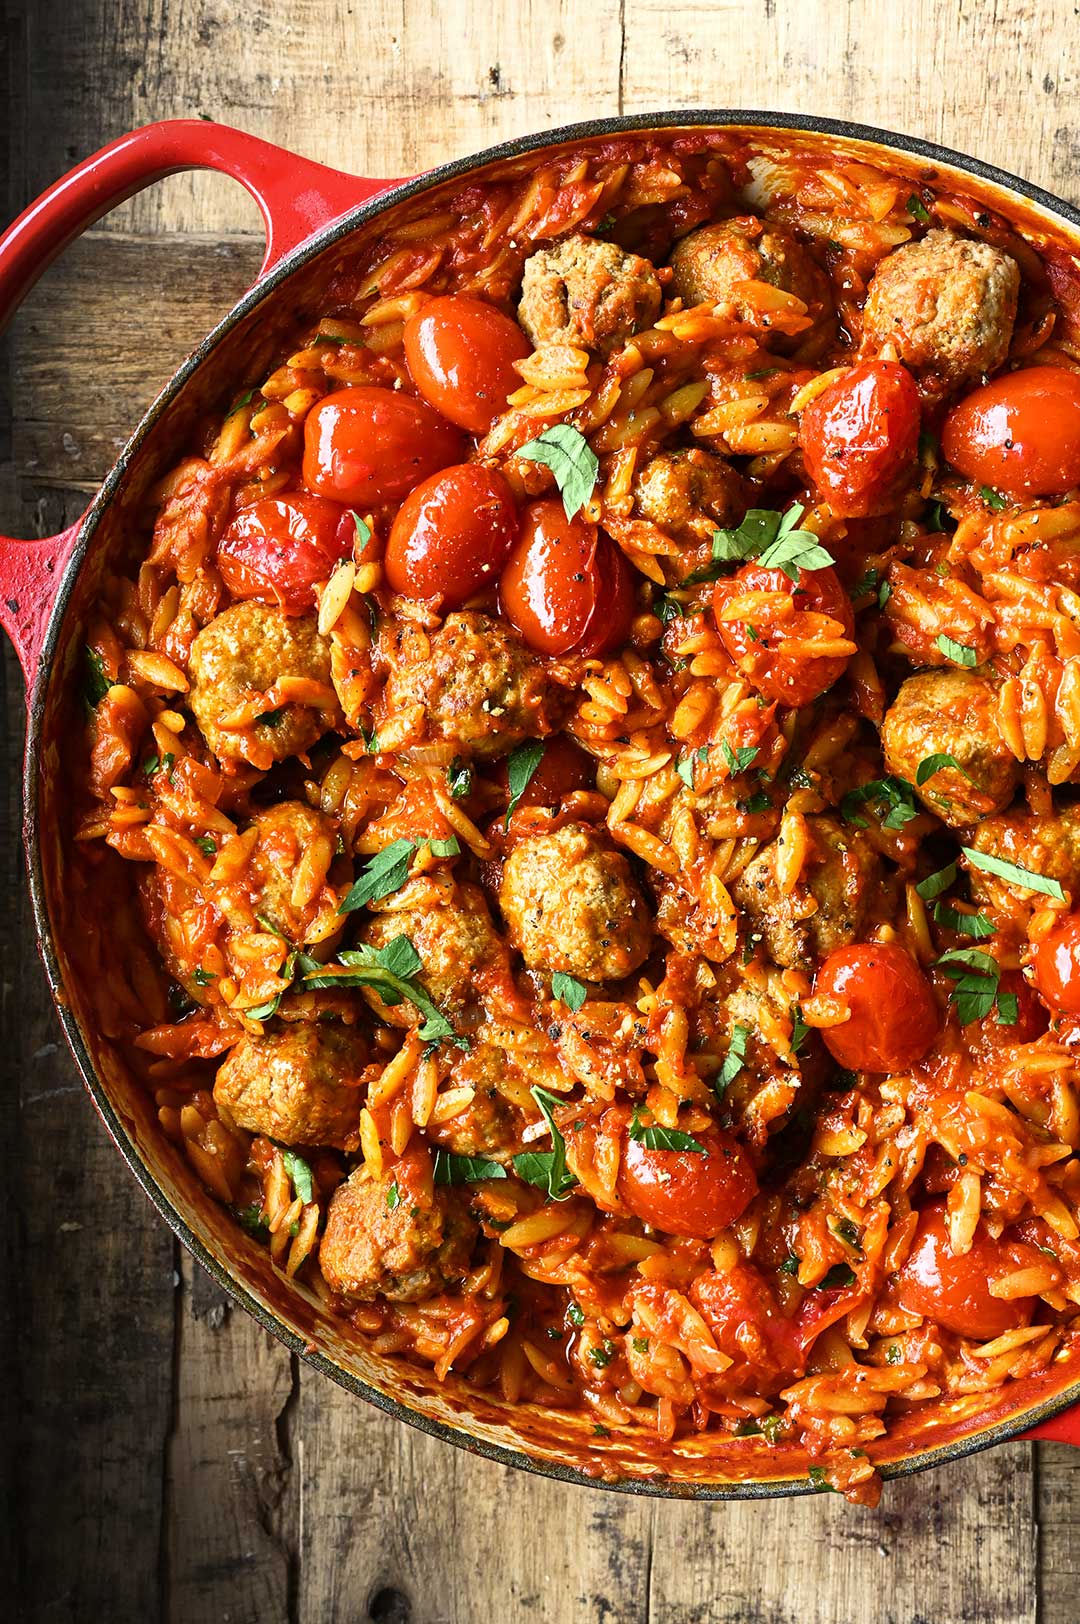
764 122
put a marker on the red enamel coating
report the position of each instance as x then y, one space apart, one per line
1060 1429
296 198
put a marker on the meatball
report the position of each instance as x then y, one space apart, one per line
710 265
571 904
458 946
689 493
396 1236
481 688
286 834
947 304
586 292
830 905
951 712
299 1084
247 649
1047 845
489 1125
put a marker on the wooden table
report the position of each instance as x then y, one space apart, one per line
165 1458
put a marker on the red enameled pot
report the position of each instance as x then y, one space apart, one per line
313 215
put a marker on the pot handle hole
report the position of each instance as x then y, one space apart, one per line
295 197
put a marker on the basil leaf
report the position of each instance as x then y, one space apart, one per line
734 1060
657 1138
794 551
684 767
450 847
840 1275
452 1169
520 767
363 531
391 972
799 1030
568 991
206 845
959 653
1014 873
917 208
393 1197
935 884
992 499
1008 1011
251 1218
934 764
547 1168
97 682
565 450
201 977
300 1173
738 760
975 925
459 779
977 977
894 794
238 405
384 874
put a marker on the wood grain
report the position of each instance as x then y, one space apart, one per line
166 1460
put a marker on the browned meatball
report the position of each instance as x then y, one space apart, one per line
840 885
689 493
396 1236
587 292
299 1084
947 304
489 1125
951 712
710 265
247 649
1044 845
482 689
571 903
458 946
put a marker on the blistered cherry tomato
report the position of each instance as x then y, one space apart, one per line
564 767
860 436
755 639
461 353
567 587
955 1291
1056 960
741 1296
893 1016
1019 434
277 549
367 446
452 535
687 1192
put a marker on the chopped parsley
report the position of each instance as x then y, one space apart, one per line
206 845
602 1355
894 1354
393 1197
839 1276
790 1265
251 1218
97 681
238 405
640 1344
568 991
576 1315
565 450
958 653
201 977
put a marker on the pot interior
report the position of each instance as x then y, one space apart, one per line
73 884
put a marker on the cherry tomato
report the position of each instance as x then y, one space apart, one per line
687 1192
461 353
366 446
564 767
732 1299
1031 1017
1019 434
756 644
567 587
954 1291
1056 960
893 1016
277 549
860 436
452 535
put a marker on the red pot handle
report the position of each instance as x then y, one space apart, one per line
295 197
1060 1429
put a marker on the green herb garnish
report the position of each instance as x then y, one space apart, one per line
992 499
1014 873
300 1174
565 450
734 1061
568 991
547 1168
657 1138
459 779
894 796
520 767
452 1169
958 653
934 764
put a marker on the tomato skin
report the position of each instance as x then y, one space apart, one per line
894 1017
730 1299
685 1192
564 767
1019 434
567 587
368 446
954 1291
461 353
790 679
860 436
1056 961
452 535
275 550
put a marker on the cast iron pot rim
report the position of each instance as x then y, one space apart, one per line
326 236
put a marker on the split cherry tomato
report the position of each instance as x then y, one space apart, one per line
860 437
277 549
1019 434
687 1192
452 535
461 353
367 446
732 1299
1057 966
756 639
955 1291
893 1016
567 588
